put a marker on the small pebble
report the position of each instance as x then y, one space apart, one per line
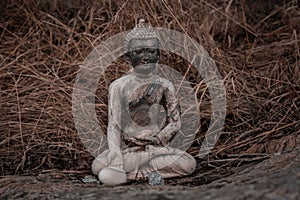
155 179
90 179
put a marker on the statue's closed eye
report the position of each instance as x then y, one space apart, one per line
138 52
146 50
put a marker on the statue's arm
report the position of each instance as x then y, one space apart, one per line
113 129
173 116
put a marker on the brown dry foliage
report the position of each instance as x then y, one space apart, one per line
255 45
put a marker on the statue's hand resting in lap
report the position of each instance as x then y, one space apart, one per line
153 140
145 137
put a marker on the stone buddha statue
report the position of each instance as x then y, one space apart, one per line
144 116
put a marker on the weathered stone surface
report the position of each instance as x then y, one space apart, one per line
275 178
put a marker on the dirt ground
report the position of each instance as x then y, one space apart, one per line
275 178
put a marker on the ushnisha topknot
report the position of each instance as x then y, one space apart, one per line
141 31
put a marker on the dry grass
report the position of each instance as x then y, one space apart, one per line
255 46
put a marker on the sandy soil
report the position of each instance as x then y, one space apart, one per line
275 178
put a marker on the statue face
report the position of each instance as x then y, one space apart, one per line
144 55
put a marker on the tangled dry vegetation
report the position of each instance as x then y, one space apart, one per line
254 44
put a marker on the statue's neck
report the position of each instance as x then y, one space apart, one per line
144 77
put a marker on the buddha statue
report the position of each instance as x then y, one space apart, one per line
144 116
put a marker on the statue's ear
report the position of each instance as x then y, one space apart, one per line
127 58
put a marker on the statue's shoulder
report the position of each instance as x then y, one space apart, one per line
166 83
120 82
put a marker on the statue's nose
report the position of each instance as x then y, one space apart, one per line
145 56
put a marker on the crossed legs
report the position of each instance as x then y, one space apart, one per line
167 161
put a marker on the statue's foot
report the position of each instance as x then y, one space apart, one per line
112 176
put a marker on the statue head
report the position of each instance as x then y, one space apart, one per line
142 47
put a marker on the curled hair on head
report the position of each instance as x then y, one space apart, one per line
141 31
